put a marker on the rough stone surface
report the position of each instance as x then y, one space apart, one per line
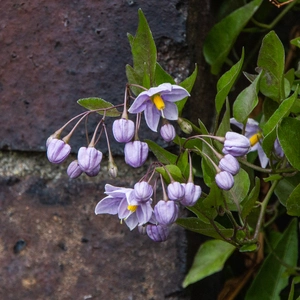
56 52
53 246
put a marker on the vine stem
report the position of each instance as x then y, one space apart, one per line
264 204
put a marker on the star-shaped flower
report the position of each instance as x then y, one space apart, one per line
157 102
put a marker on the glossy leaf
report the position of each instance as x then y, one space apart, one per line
271 62
293 202
296 42
246 101
143 51
289 139
173 170
271 277
248 203
161 154
196 225
282 111
226 82
99 104
188 84
217 45
209 259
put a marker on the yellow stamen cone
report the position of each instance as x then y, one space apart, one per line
255 139
159 102
132 208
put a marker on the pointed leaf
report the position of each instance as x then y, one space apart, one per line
282 111
188 84
173 170
293 203
98 103
217 45
289 139
271 277
226 82
246 101
250 201
209 259
161 76
161 154
296 42
271 61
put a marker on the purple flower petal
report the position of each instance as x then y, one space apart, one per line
144 213
132 221
170 111
139 103
162 88
177 93
152 116
108 205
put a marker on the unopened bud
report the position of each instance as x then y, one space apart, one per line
112 169
185 126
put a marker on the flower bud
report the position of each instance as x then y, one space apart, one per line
58 151
185 126
166 212
123 130
136 153
167 132
230 164
158 233
175 191
112 169
224 180
74 169
236 144
94 172
192 193
89 158
143 191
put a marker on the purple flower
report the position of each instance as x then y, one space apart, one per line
157 102
224 180
166 212
143 191
93 172
74 169
57 151
123 130
158 233
167 132
253 133
136 153
122 201
175 191
230 164
192 193
89 159
236 144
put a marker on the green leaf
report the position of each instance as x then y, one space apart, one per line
289 139
188 84
248 203
196 225
173 170
183 163
161 154
161 76
143 51
217 45
271 61
271 277
285 187
226 82
282 111
296 42
98 103
248 248
133 78
246 101
296 280
239 190
268 142
224 125
293 202
209 259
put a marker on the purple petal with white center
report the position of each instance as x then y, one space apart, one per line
132 221
152 116
162 88
177 93
123 211
108 205
139 103
170 111
144 213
